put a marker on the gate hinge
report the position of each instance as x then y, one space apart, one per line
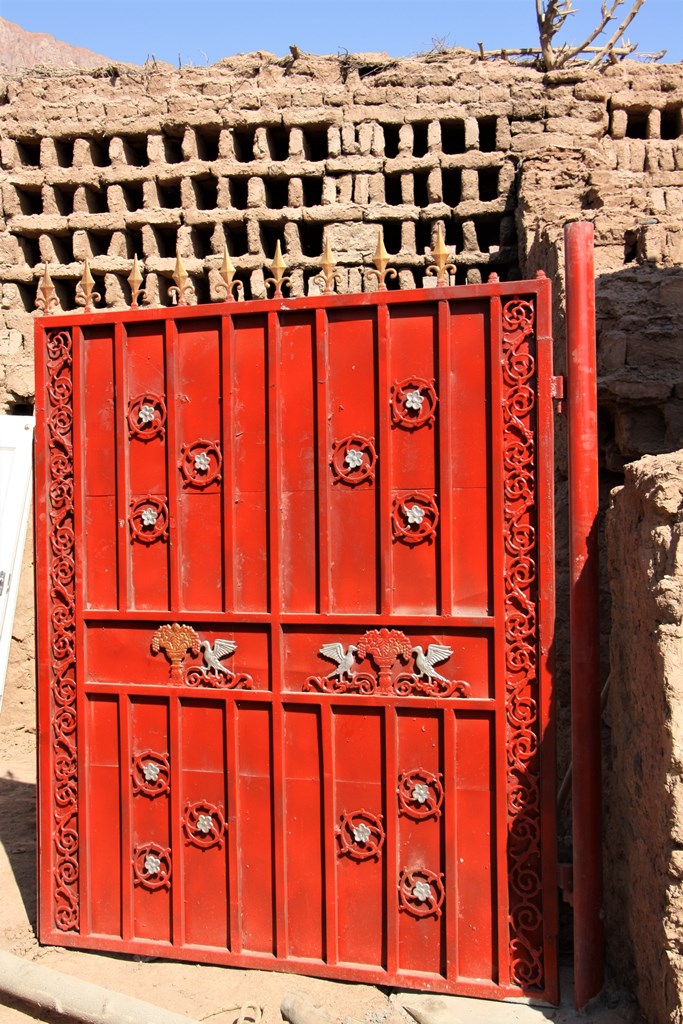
557 386
565 882
557 390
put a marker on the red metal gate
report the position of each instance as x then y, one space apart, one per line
295 610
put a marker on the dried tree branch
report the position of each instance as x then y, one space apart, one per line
609 45
607 16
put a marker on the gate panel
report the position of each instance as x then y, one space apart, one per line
300 565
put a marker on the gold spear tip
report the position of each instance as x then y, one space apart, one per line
135 276
440 253
87 280
278 265
227 266
180 275
381 257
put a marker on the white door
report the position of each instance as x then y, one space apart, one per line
16 437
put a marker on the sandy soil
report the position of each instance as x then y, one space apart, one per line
205 993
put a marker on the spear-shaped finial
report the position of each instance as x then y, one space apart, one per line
137 292
277 268
329 274
183 286
85 290
46 299
440 255
227 273
381 261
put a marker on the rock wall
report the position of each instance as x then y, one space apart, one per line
644 866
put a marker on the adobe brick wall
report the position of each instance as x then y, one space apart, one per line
125 160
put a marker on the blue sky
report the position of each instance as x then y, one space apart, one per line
202 31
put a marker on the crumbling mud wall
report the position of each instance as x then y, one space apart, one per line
126 161
644 864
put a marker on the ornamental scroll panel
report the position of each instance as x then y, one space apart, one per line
291 636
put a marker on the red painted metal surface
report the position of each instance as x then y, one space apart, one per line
295 612
582 408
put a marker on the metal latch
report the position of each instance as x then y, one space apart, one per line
557 390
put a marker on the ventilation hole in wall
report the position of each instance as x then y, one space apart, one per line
315 143
488 233
239 193
99 152
454 235
243 141
167 241
64 150
99 242
95 200
201 241
29 153
487 134
391 140
636 124
276 191
169 195
311 237
236 239
30 200
173 148
309 287
26 295
165 284
64 248
392 236
423 236
461 275
452 136
312 191
66 295
420 144
278 143
30 249
205 192
64 198
135 150
392 189
421 197
201 289
208 140
630 246
488 183
393 284
133 195
245 278
134 243
21 409
271 234
671 122
451 185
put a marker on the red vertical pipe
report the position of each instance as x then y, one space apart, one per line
583 613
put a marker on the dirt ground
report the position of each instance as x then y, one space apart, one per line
205 993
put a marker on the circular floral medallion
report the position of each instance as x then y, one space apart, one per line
201 463
353 459
413 402
147 416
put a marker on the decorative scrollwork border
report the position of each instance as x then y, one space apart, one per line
521 678
62 629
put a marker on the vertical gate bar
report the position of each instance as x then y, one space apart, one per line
174 710
329 839
227 434
45 824
121 468
126 817
444 439
82 751
386 558
172 450
233 816
497 527
584 610
391 838
277 660
450 841
322 468
545 473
